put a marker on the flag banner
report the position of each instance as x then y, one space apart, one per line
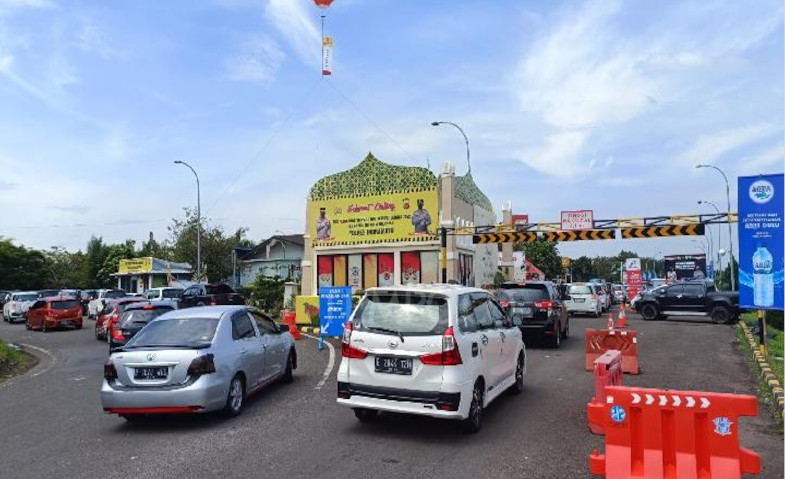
327 55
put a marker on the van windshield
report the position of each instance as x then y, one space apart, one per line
580 289
406 314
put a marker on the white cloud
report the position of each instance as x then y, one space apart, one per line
709 148
560 154
258 61
90 37
294 22
767 158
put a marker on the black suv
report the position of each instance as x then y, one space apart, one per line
539 308
692 298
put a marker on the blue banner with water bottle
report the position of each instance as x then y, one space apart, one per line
761 260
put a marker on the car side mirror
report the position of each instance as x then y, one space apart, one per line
283 328
517 322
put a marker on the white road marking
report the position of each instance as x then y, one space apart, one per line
330 361
42 350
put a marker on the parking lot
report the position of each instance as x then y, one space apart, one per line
54 425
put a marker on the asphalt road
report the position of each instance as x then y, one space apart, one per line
52 425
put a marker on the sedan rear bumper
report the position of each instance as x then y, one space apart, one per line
203 395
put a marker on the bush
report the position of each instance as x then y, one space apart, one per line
774 319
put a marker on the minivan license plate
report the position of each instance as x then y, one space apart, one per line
151 373
391 365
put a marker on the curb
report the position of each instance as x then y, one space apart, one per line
775 388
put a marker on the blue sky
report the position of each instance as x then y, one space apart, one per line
603 105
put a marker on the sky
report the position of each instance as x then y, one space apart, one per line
602 105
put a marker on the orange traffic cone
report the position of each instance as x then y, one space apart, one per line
610 321
622 317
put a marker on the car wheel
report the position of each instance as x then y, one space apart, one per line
517 388
288 376
473 423
556 338
27 325
236 397
566 333
721 315
44 328
365 415
649 312
596 313
78 326
97 336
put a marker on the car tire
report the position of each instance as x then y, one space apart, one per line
721 315
27 325
650 312
555 340
365 415
78 326
288 375
517 387
566 333
97 336
597 313
44 328
235 398
473 423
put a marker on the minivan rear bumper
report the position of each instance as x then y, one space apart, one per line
429 403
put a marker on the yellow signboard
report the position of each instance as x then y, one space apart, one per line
135 265
395 217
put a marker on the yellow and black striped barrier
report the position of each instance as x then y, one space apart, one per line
578 235
659 231
519 237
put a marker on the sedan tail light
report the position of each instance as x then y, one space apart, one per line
544 304
202 365
504 304
450 355
110 372
117 333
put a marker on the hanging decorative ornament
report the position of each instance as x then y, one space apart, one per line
323 4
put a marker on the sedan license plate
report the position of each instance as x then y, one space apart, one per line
525 312
390 365
151 373
579 300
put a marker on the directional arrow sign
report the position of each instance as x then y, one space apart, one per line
690 401
705 403
676 400
636 398
649 399
663 400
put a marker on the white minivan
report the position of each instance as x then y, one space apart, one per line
444 351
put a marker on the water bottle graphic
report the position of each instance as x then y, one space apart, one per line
763 279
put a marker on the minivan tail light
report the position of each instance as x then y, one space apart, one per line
202 365
450 354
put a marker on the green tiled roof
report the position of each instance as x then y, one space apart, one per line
468 191
373 177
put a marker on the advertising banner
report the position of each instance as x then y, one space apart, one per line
685 267
406 216
327 56
577 220
520 220
135 265
634 276
761 242
335 307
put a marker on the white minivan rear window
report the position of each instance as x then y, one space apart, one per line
407 314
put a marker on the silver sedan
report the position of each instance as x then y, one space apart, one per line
197 360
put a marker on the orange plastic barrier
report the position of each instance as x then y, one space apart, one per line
654 433
600 340
607 372
290 318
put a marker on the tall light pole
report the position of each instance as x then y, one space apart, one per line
719 233
730 233
465 138
198 222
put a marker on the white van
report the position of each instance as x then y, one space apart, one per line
444 351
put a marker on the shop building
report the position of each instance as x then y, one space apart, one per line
378 225
137 275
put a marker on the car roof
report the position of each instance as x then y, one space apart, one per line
209 312
25 292
514 284
452 290
148 305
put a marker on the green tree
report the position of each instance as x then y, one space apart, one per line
268 294
66 270
21 268
112 260
545 256
722 278
217 246
582 269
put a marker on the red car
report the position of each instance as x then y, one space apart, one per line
54 313
110 314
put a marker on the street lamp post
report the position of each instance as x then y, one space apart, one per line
198 222
465 138
730 233
719 233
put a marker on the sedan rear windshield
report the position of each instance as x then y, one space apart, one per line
64 304
26 297
218 289
114 294
580 289
525 294
179 333
141 316
172 293
406 314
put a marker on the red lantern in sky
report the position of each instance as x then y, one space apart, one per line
323 4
